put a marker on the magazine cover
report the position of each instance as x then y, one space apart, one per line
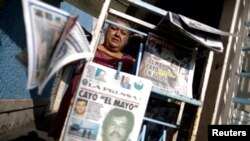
169 66
54 39
107 108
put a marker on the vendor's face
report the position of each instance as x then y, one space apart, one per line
116 37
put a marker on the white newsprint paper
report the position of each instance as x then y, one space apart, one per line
193 30
126 96
54 39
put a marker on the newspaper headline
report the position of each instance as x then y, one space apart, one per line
113 105
168 66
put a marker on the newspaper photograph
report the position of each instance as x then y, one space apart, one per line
169 66
107 108
53 37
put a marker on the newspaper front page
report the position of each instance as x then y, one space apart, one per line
106 108
54 39
169 66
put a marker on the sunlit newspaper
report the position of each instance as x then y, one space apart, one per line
114 103
54 39
203 34
201 37
168 65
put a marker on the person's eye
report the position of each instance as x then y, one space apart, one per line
124 32
113 27
123 126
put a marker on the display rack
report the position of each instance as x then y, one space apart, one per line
118 8
241 100
245 72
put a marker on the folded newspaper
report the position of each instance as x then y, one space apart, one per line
54 39
200 33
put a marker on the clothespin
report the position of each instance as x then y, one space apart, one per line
119 68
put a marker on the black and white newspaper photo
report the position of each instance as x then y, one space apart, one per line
107 108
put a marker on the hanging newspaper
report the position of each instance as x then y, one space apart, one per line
54 39
169 66
192 30
106 107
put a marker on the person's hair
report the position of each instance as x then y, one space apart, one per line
79 99
116 19
119 113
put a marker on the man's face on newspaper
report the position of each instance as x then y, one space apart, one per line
80 107
117 129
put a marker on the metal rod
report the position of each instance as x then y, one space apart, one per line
98 28
131 18
128 28
149 7
160 122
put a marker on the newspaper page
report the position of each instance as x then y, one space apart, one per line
106 107
200 26
199 33
169 66
203 34
46 28
74 47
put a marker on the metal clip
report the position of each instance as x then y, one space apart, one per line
119 68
